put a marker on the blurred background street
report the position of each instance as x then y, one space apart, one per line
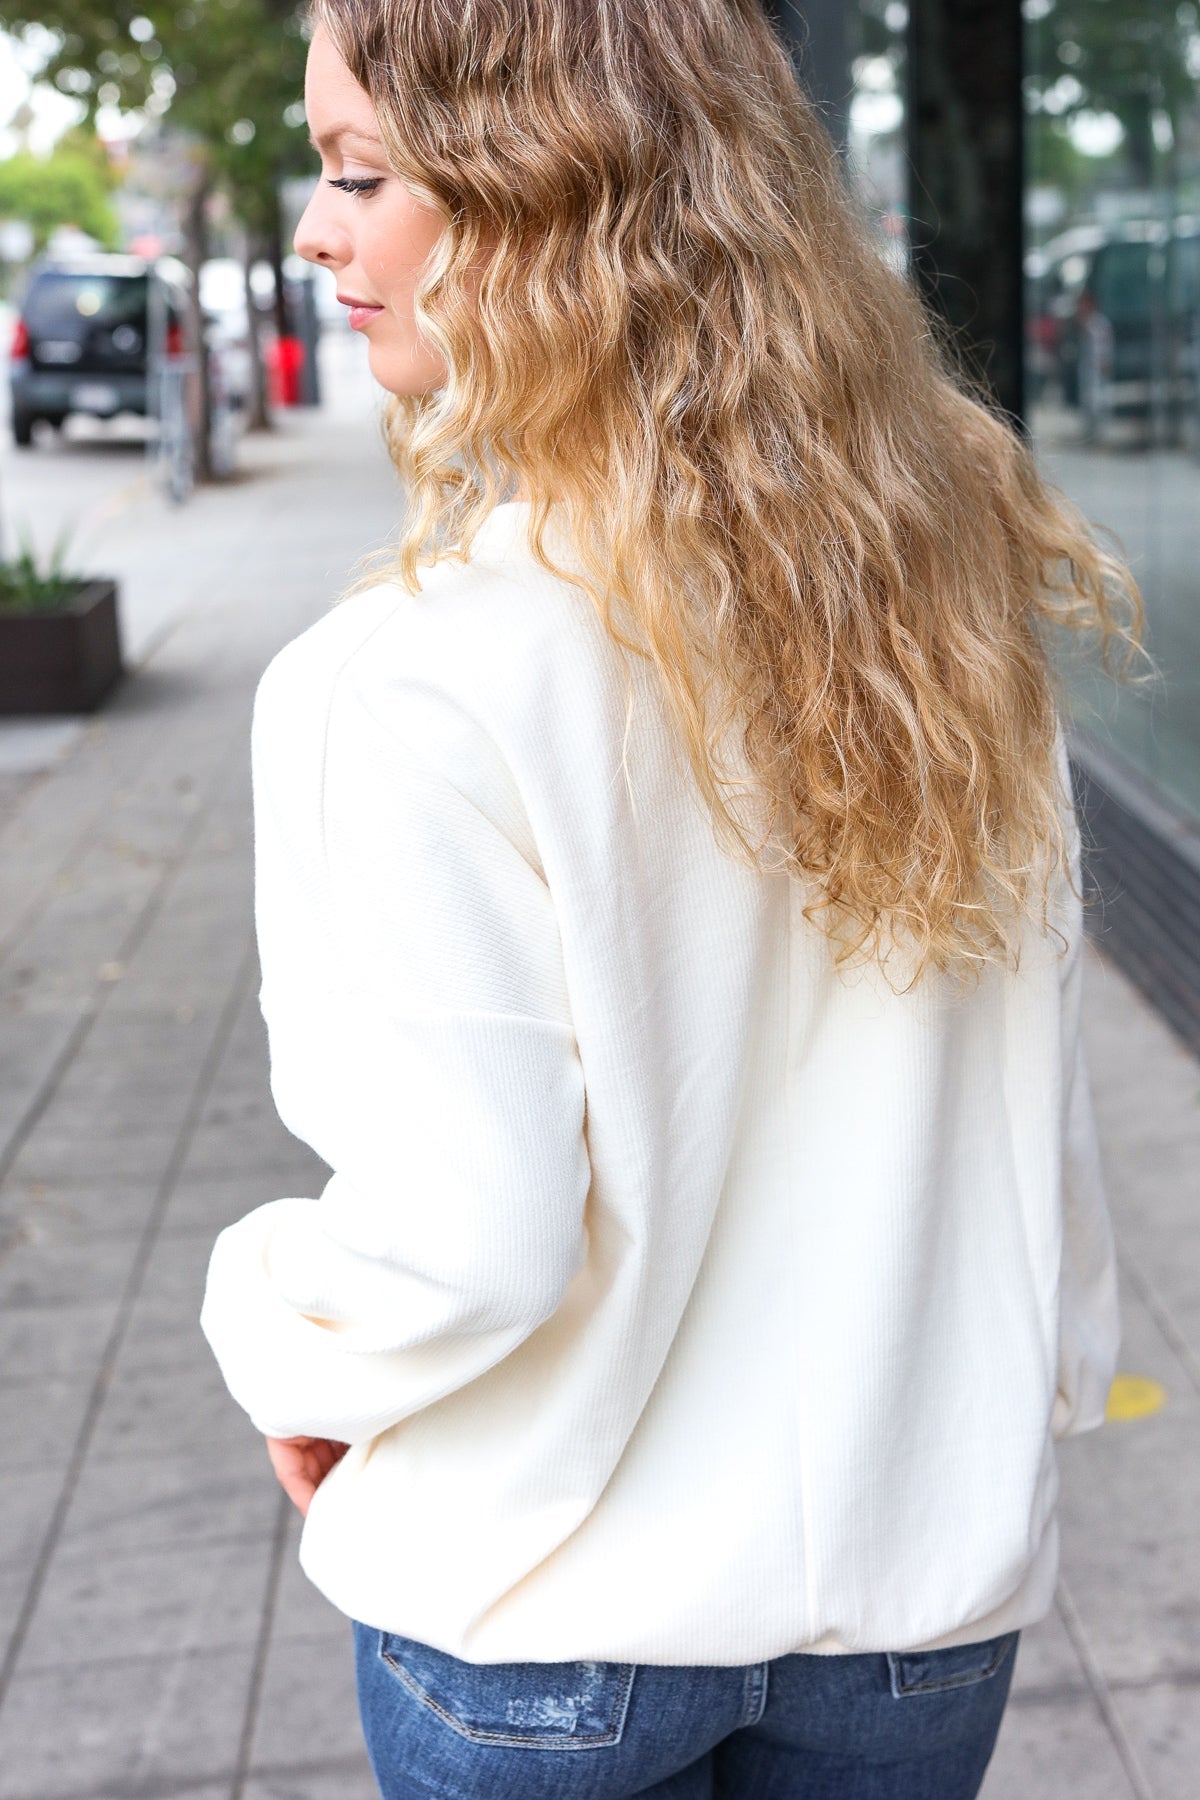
221 462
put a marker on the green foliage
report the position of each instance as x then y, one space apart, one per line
65 188
1132 58
24 587
83 142
1054 161
227 71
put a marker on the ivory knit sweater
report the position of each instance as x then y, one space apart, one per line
681 1300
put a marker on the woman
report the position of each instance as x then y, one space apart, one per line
667 898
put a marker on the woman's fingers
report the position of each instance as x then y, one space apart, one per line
301 1464
328 1454
289 1459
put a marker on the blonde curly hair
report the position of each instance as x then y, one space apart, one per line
779 483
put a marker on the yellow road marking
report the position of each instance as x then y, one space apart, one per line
1134 1397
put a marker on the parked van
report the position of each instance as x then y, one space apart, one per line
1128 303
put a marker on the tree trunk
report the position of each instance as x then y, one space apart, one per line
259 415
275 255
965 145
196 255
1137 117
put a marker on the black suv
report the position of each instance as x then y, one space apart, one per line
80 341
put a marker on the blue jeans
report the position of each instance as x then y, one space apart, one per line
886 1725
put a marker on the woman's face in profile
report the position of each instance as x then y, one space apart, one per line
366 226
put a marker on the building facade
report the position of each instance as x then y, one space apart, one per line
1036 169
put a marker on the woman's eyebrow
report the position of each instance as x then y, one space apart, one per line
335 132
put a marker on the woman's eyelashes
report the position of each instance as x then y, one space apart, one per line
356 184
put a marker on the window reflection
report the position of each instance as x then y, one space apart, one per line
876 146
1113 331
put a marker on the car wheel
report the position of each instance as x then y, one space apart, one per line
22 430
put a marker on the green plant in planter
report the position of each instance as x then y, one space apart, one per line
24 588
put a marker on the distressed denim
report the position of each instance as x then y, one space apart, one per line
881 1726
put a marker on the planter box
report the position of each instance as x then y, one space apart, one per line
63 661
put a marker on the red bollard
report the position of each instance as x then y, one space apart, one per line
285 360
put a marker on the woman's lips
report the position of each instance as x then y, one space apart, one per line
362 312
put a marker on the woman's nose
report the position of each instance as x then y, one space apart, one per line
317 240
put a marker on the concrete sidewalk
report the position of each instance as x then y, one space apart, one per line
158 1638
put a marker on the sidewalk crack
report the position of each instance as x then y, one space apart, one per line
204 1080
1139 1781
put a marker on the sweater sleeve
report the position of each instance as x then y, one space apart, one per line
1089 1319
421 1043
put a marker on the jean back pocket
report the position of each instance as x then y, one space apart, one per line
935 1671
546 1706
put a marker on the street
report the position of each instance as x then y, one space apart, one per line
158 1637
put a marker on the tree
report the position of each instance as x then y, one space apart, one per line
230 74
1135 59
64 188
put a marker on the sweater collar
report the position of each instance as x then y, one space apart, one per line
504 526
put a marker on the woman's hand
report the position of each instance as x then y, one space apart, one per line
302 1463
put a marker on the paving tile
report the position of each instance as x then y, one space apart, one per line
307 1705
249 1140
180 1787
302 1613
74 1156
1163 1724
291 1167
1162 1264
134 1074
87 912
171 1504
348 1780
119 1730
1131 1526
149 1600
175 1271
39 834
50 1274
31 1047
1147 1089
42 1345
1140 1606
119 1108
33 1211
40 1420
1166 1257
163 1336
1047 1664
191 953
165 1350
177 1407
27 1500
204 1204
1058 1752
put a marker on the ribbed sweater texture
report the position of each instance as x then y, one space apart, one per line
682 1299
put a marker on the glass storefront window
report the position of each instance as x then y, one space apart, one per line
1112 279
876 143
